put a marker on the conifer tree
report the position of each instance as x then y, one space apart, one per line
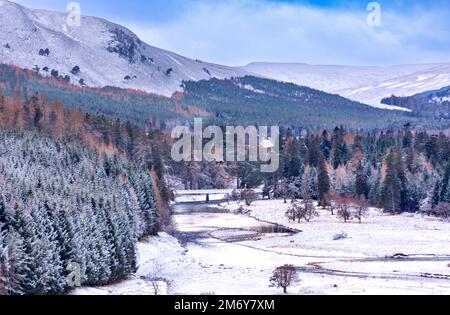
293 157
325 145
323 182
314 151
445 186
309 183
16 268
361 181
391 192
62 204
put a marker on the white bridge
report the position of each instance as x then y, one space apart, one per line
205 195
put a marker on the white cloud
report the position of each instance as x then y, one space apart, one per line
237 32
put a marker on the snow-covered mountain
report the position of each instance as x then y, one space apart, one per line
100 53
364 84
105 53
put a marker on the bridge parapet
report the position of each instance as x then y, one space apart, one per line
205 195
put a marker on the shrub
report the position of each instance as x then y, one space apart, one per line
442 211
340 236
44 52
75 70
55 73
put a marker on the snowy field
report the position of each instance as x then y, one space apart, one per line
228 253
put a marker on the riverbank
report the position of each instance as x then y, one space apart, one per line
401 254
222 252
379 234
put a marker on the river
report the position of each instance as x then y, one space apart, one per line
199 221
238 254
218 252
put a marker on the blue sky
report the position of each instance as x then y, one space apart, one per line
236 32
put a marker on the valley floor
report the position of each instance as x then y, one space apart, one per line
228 253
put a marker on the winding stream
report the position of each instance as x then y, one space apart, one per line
196 221
233 254
235 243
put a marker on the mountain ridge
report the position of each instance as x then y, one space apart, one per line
365 84
238 101
102 53
434 104
106 53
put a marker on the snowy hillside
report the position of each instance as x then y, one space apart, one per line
433 104
100 53
105 53
364 84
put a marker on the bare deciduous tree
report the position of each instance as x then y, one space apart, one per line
284 277
235 195
331 197
227 198
344 209
266 191
309 210
155 284
361 208
283 190
442 210
302 211
249 195
292 211
159 284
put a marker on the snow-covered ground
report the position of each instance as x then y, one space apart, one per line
230 253
152 255
397 254
379 235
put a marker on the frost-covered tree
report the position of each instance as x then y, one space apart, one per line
15 265
309 183
347 183
62 204
3 260
282 190
294 188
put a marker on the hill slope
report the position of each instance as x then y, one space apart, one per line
253 100
238 101
364 84
434 104
106 53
